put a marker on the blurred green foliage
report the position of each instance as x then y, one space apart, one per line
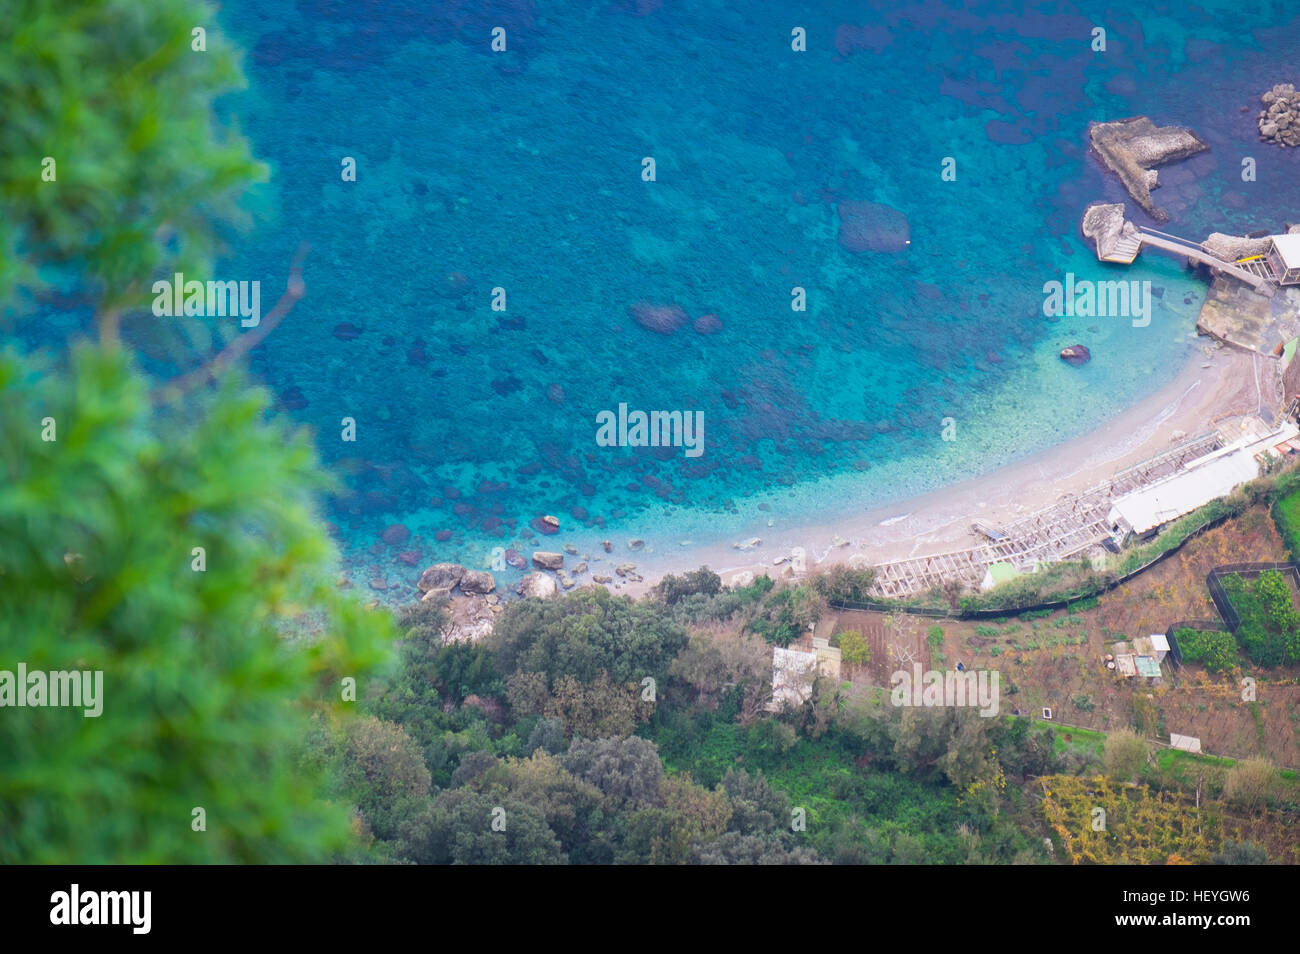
209 677
113 91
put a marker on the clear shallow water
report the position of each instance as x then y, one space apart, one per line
522 170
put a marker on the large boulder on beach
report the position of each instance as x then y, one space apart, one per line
661 319
872 227
477 581
441 576
547 560
537 585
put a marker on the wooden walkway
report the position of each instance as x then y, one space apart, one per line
1125 250
1056 533
1197 253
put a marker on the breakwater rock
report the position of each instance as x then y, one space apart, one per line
1105 224
1279 120
1132 148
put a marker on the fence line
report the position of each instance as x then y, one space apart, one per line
1064 603
1214 581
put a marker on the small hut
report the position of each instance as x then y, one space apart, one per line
1284 258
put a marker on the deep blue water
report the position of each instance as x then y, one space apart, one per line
522 170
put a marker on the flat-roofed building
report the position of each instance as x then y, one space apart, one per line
1284 258
1215 475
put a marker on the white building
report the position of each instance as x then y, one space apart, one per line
1284 258
1200 481
794 670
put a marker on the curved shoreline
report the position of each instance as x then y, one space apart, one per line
1197 399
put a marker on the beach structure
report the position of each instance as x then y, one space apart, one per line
1159 644
795 668
1283 259
999 573
1118 240
1144 511
1068 527
1137 661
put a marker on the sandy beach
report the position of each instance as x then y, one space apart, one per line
1217 387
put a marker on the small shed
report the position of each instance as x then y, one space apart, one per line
1284 258
1187 743
997 574
1147 666
1159 646
1125 665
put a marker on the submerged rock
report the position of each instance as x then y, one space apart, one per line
871 227
395 535
708 324
661 319
545 525
1076 354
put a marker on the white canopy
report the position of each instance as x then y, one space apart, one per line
1214 475
1288 246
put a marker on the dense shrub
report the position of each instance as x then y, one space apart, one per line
1270 624
1216 651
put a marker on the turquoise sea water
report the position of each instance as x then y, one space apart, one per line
522 170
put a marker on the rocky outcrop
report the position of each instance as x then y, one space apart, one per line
1104 223
1232 247
1279 120
1132 148
470 618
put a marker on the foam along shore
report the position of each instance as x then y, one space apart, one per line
1233 386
